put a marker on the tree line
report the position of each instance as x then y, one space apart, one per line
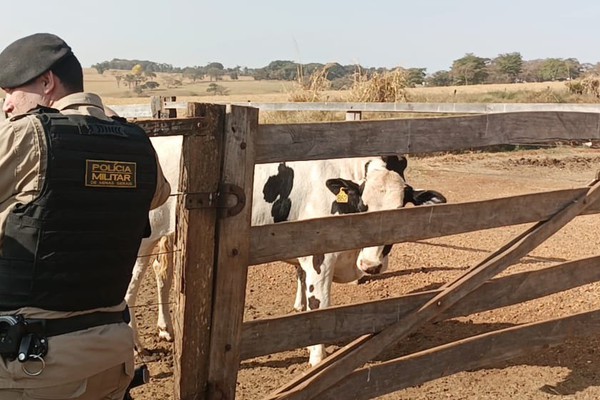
467 70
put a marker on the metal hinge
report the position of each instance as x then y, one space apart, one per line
230 199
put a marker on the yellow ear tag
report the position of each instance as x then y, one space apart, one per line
342 196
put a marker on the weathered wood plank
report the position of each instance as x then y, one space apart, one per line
316 382
468 354
287 240
290 142
133 110
173 127
334 324
233 253
201 160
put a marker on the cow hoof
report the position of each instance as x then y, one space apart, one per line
164 335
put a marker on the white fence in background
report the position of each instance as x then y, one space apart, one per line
145 110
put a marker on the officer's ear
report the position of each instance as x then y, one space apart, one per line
48 82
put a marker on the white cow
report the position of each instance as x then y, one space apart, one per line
157 249
299 190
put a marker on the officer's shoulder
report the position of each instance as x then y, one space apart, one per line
17 117
20 121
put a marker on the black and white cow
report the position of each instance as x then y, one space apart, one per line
292 191
309 189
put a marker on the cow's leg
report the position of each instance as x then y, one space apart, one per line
319 275
139 270
300 302
163 271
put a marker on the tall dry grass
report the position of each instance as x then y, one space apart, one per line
384 87
378 87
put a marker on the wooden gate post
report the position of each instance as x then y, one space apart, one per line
233 255
200 174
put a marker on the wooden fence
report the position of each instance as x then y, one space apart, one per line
221 146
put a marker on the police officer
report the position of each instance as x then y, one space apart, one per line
75 190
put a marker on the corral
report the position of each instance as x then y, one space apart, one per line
438 229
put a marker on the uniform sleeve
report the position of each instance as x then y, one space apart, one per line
163 188
9 162
20 168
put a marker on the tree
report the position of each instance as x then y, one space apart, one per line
532 71
415 76
557 69
194 73
439 78
510 65
279 70
129 79
217 89
101 67
469 70
215 70
574 68
137 69
150 85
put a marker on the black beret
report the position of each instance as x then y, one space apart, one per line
29 57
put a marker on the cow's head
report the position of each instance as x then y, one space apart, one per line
384 188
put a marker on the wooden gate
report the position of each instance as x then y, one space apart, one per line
211 337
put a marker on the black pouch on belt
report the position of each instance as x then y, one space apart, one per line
12 331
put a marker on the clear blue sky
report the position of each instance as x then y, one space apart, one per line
374 33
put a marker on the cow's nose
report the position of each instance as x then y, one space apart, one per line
373 269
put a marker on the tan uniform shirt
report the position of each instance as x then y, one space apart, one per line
79 354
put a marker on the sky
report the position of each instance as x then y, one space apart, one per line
427 34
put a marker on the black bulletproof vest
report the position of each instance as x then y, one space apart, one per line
73 247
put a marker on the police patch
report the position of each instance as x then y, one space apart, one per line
111 174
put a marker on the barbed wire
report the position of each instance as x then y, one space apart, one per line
153 304
160 253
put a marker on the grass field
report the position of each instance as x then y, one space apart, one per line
280 91
246 89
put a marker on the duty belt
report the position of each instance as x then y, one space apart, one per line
26 339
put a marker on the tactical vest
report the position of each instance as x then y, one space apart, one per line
73 247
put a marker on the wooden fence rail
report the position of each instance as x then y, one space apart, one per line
344 323
485 349
320 235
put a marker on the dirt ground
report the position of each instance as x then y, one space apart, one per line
568 371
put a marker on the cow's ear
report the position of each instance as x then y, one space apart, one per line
427 197
336 184
347 196
396 163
